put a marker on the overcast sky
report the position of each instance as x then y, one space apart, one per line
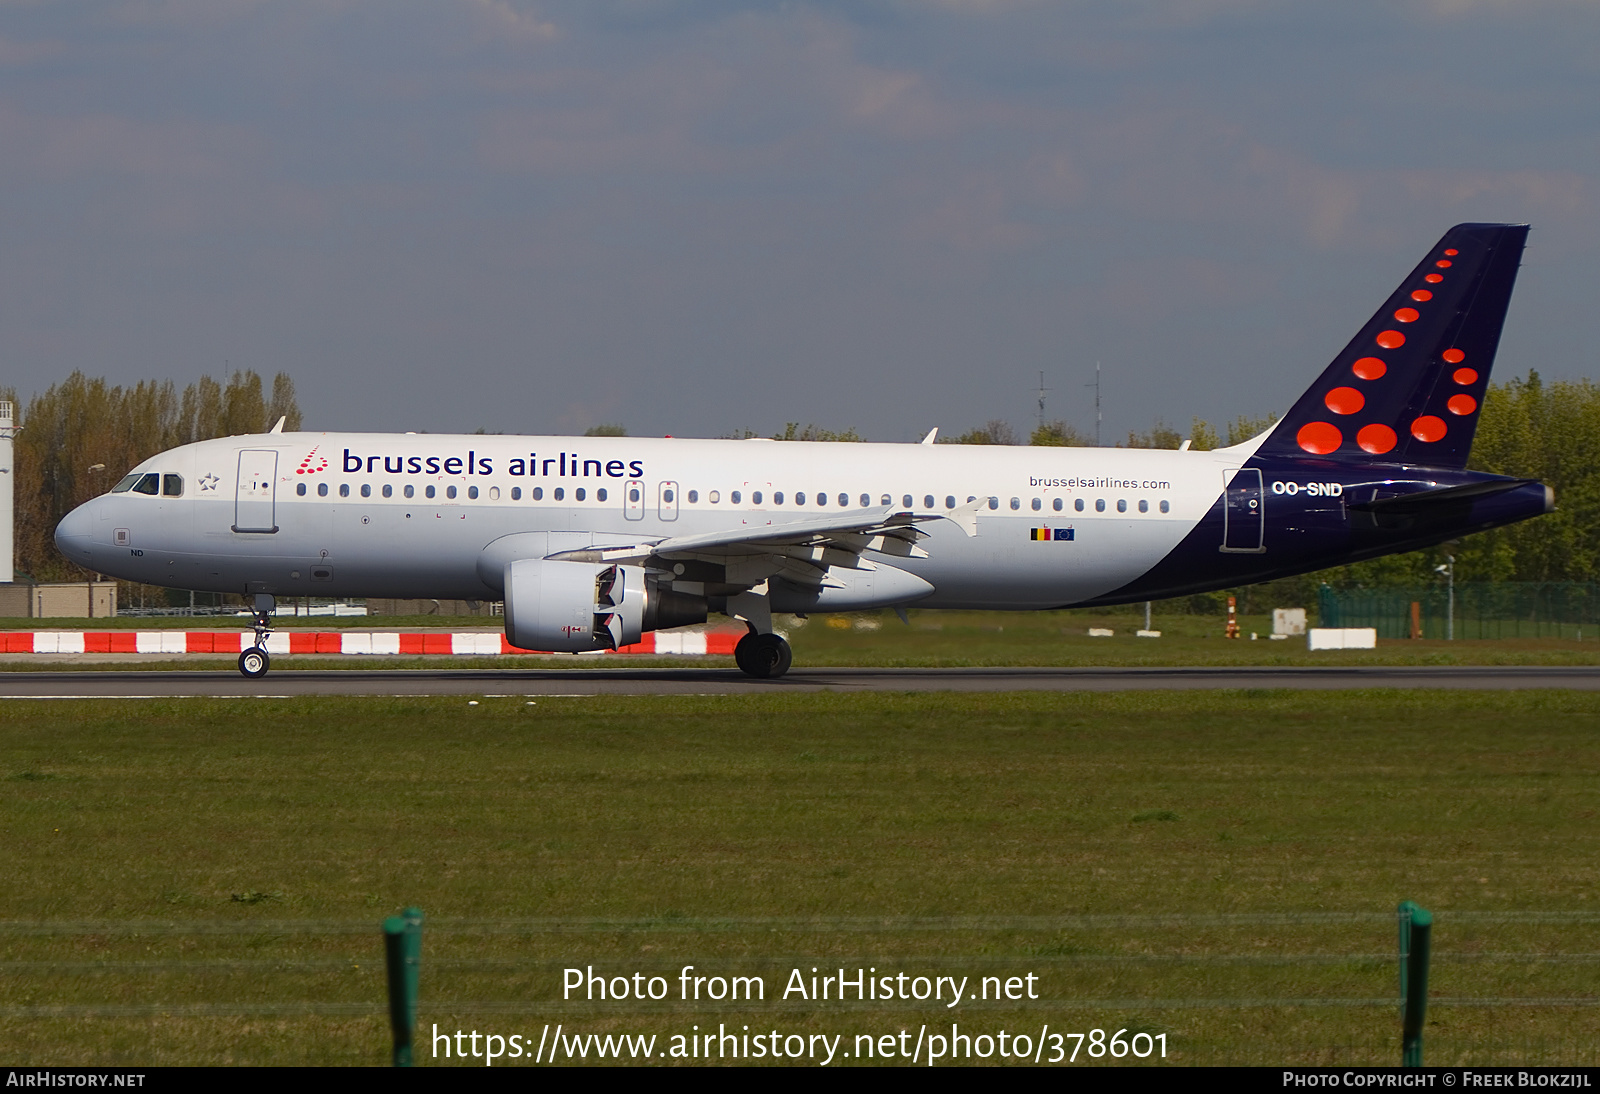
692 218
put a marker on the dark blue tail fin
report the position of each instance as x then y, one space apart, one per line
1409 388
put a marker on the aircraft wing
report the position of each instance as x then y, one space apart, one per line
801 550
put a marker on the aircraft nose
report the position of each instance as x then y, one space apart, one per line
75 535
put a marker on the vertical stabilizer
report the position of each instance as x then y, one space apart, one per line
1409 387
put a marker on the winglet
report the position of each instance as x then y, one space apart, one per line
966 516
279 427
932 433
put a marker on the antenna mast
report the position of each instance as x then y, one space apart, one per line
1042 390
1097 418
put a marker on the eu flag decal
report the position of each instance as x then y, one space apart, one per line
1047 535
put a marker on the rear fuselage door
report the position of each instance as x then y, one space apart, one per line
1243 512
633 499
253 505
668 507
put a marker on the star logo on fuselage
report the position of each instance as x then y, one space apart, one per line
208 482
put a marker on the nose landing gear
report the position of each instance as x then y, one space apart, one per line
254 662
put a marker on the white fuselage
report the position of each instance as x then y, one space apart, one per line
409 515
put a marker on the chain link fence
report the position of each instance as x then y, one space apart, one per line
1508 609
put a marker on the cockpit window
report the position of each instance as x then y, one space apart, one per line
125 485
148 484
172 486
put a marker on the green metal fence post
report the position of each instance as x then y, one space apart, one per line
1416 931
402 945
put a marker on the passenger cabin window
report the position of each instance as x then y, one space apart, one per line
538 493
428 491
800 497
1016 504
1099 505
777 498
1078 504
927 501
450 491
300 488
472 492
578 494
1122 505
148 484
1144 506
949 501
1165 507
733 498
388 491
694 496
866 500
755 498
410 491
516 493
906 501
322 489
714 497
600 494
366 490
994 503
559 494
1037 505
887 500
172 486
344 490
125 485
1056 505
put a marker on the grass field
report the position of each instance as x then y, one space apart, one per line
201 881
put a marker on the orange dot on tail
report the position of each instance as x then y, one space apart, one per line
1319 438
1421 295
1428 428
1452 252
1391 339
1444 263
1369 368
1376 438
1434 279
1407 315
1454 356
1344 400
1465 376
1462 404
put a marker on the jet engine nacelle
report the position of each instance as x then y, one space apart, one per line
577 607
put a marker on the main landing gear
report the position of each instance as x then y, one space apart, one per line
254 662
764 656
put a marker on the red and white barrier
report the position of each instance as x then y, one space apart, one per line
369 643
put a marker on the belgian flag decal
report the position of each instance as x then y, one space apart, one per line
1046 535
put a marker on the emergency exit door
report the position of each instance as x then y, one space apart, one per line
254 496
1243 512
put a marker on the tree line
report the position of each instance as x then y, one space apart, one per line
80 436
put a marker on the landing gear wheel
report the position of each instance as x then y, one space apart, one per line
254 662
764 656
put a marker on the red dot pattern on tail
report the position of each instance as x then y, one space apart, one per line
1319 438
1429 428
1376 438
1462 404
1344 400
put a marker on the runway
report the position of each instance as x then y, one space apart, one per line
709 681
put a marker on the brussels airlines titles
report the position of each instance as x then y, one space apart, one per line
564 465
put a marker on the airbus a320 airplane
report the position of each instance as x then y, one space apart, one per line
592 541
